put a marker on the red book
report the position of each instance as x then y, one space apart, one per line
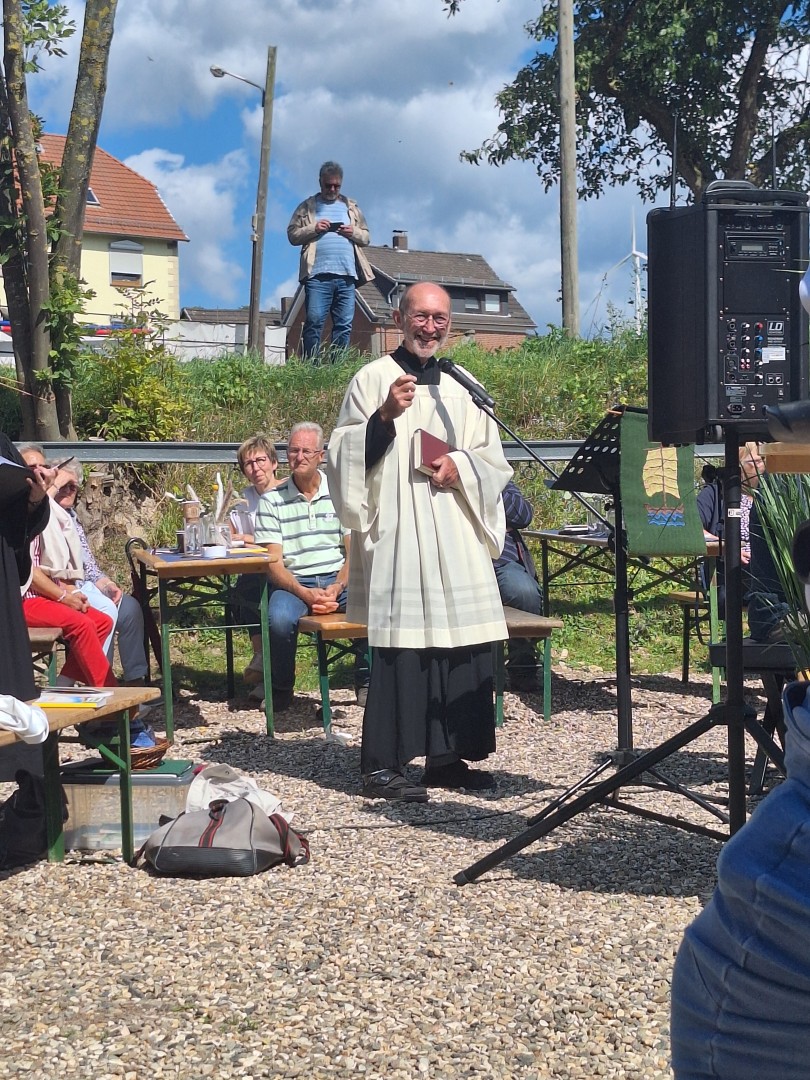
426 448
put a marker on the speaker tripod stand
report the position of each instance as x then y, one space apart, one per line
732 713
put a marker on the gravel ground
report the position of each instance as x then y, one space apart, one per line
369 960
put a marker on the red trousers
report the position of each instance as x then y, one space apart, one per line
84 633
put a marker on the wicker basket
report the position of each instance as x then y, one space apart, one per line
147 757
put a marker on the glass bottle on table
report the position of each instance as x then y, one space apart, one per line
192 530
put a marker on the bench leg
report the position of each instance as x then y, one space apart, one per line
264 627
547 679
54 823
165 653
323 681
714 635
125 787
500 680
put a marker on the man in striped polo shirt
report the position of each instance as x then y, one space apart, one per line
296 521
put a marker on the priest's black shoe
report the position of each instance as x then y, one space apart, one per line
458 775
390 785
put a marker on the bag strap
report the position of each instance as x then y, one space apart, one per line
216 812
284 831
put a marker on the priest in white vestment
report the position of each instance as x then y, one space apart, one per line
421 574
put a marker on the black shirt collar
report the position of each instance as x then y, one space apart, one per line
427 374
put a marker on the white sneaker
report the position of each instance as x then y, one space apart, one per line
254 672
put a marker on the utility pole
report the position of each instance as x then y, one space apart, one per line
568 169
254 344
255 336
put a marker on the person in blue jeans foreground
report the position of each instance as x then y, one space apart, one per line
519 588
741 983
297 523
331 232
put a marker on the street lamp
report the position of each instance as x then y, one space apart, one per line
257 235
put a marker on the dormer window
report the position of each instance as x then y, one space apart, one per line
92 198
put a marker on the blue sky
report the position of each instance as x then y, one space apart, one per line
393 91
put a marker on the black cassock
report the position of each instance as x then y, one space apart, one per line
19 524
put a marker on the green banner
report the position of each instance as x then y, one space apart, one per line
659 500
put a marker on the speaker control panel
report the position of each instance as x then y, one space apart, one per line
755 349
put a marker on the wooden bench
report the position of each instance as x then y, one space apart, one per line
121 706
44 643
329 631
775 665
695 610
523 624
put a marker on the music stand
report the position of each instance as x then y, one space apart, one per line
594 469
733 712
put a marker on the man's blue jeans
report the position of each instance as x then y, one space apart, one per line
284 609
518 589
328 294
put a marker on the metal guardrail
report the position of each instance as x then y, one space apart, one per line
189 453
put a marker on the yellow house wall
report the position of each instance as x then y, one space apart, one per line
161 278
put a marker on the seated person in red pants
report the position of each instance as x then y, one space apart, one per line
84 628
51 602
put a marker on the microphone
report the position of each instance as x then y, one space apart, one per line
476 390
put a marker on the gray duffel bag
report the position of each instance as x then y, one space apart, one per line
229 839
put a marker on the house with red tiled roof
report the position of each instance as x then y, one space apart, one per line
485 308
130 239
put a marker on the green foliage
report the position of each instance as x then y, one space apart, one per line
10 415
724 69
236 395
47 26
66 301
784 503
558 387
132 390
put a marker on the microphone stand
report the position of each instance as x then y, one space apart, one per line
733 713
482 405
621 595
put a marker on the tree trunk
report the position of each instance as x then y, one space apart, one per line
14 272
77 161
30 181
85 119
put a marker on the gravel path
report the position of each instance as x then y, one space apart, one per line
369 961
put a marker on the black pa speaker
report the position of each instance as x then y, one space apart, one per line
727 335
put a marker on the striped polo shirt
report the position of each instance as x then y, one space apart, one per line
310 535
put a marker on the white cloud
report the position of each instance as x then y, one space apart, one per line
202 199
393 91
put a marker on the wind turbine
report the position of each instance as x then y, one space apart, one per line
635 257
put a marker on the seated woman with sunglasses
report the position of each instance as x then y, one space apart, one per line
55 596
